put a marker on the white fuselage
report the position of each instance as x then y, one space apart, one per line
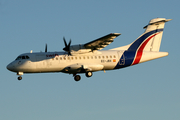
72 64
58 61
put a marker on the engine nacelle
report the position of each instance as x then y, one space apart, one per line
79 49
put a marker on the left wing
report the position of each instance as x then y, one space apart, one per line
102 42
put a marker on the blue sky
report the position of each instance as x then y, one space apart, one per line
146 91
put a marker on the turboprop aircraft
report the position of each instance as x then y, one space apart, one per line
88 58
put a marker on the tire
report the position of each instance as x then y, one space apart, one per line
19 78
77 78
89 74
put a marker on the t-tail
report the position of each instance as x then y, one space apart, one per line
146 47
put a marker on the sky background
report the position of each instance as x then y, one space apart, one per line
142 92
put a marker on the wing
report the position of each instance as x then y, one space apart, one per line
102 42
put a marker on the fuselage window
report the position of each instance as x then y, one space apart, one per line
99 57
64 58
71 58
110 56
84 57
103 57
106 56
95 57
76 58
79 57
114 56
56 58
91 57
87 57
60 58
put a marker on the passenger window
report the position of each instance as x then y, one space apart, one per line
99 57
79 57
103 57
110 56
87 57
106 56
60 58
56 58
114 56
91 57
71 58
95 57
76 58
84 57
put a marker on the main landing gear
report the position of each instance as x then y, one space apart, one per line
78 77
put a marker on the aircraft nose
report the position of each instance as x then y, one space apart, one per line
9 67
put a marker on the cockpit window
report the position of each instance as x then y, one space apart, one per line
27 57
18 58
22 57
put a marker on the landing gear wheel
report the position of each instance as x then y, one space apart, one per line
89 74
77 78
19 78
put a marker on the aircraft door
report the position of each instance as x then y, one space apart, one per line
122 57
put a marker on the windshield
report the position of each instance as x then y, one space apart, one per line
22 57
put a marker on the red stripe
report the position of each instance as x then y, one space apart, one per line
140 50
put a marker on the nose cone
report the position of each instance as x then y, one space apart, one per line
10 67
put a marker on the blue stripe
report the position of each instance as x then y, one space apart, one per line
140 40
129 55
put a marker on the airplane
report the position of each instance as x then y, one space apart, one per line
88 58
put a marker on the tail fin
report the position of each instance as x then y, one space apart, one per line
150 40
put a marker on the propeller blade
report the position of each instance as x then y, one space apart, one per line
69 43
46 48
67 47
65 42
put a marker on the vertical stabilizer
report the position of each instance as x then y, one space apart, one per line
150 40
156 25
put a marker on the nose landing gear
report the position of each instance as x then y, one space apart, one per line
20 75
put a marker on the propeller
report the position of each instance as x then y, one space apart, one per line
67 46
46 48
